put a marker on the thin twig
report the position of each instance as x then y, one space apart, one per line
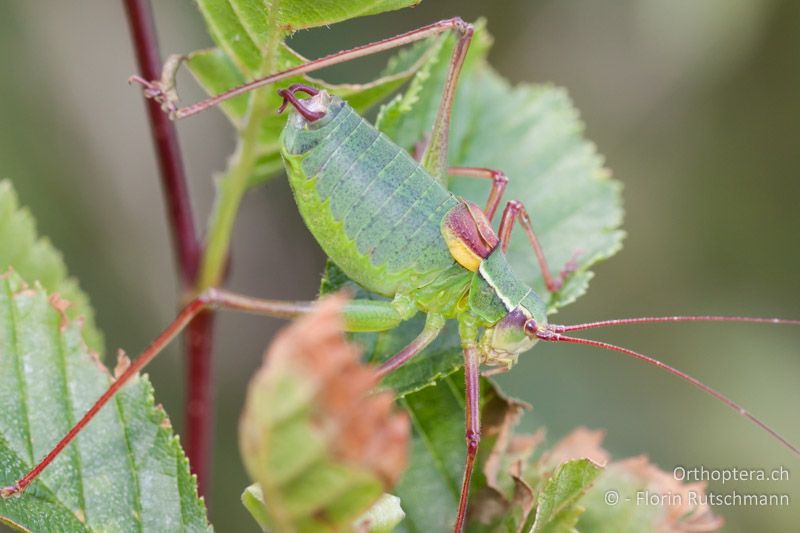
199 335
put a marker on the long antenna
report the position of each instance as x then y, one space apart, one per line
556 337
657 319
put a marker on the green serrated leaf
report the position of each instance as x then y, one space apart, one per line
125 471
302 14
253 501
382 517
558 510
216 73
227 28
243 28
35 259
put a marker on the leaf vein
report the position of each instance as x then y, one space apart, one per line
131 459
23 390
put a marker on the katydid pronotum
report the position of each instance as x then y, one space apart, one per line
386 220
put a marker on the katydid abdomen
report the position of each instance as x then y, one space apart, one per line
374 210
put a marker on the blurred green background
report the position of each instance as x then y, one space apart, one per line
695 104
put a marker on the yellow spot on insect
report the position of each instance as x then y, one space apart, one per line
461 252
468 234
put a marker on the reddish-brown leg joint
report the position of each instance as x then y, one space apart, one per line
513 211
288 96
499 183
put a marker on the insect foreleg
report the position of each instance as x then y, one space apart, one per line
469 335
499 183
514 211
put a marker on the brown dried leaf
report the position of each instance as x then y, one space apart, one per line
680 515
580 443
311 415
505 491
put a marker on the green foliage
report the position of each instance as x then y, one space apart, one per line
125 471
557 510
302 14
500 500
631 479
431 486
382 517
246 27
35 260
519 486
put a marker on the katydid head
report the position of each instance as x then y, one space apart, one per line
502 343
515 333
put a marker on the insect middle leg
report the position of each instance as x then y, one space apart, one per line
499 183
514 211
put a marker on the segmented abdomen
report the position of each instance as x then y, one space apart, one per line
386 204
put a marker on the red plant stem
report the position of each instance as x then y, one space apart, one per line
199 412
165 139
199 334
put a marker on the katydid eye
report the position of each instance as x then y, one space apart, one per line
530 327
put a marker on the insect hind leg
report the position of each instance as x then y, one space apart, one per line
163 91
468 334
